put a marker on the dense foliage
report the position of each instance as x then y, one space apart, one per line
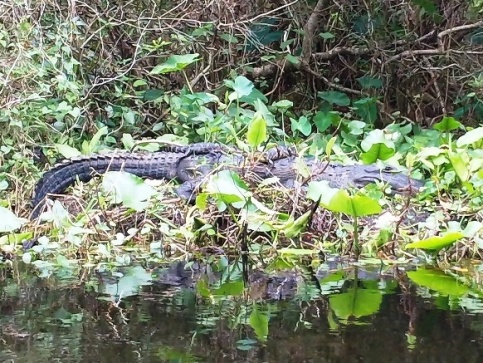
394 82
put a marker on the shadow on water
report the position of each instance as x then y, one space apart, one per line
343 315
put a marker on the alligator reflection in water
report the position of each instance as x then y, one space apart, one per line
54 319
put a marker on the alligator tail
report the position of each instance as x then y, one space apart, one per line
63 175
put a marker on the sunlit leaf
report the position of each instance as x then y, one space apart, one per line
235 288
459 165
228 186
128 189
356 303
67 151
9 221
447 124
242 86
438 281
175 63
471 137
355 206
257 130
259 322
437 242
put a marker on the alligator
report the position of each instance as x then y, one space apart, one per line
189 165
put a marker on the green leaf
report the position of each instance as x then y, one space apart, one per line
447 124
321 190
438 242
242 86
292 59
356 303
257 130
129 284
326 35
334 97
376 137
377 152
355 206
302 124
438 281
95 140
8 221
129 189
366 108
471 137
259 322
67 151
228 186
15 238
460 165
152 94
234 288
323 120
175 63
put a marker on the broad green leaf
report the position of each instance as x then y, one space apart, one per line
67 151
459 165
375 137
447 124
8 221
259 322
323 120
298 226
234 288
242 86
254 96
283 104
228 186
355 206
129 284
334 97
302 124
471 137
438 242
152 94
257 130
356 303
377 152
438 281
175 63
366 108
129 189
321 190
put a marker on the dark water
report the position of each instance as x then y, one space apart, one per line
351 316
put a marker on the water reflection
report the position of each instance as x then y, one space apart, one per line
347 315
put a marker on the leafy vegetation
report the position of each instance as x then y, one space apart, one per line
372 87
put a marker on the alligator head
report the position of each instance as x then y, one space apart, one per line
399 181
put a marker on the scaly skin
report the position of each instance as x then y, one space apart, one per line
190 164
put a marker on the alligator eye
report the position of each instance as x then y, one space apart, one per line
388 169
